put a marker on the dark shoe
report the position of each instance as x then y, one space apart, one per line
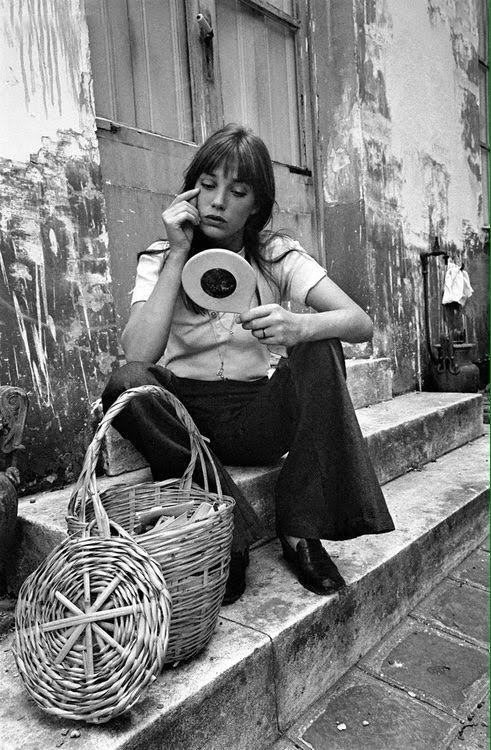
236 581
314 568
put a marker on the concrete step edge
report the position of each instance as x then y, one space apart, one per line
435 424
280 648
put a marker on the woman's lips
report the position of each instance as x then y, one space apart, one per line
210 219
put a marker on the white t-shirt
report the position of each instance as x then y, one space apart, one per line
213 345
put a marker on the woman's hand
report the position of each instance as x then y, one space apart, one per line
179 219
273 325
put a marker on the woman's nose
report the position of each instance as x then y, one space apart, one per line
219 199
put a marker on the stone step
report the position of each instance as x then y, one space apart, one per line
279 648
401 434
369 382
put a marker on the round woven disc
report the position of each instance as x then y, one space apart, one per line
92 625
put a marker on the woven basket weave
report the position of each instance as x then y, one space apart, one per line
92 623
194 558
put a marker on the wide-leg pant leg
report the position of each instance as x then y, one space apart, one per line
154 429
327 487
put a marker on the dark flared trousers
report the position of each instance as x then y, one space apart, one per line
326 489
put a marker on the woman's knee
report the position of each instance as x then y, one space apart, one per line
130 375
318 354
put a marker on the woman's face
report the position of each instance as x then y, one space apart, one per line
224 205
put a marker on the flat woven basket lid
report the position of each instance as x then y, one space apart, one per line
92 627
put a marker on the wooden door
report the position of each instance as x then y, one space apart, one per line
265 84
162 85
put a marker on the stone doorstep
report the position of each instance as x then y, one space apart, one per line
416 428
280 648
403 433
369 382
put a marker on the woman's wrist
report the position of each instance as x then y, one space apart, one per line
177 255
307 329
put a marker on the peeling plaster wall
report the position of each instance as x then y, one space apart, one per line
418 92
57 328
339 145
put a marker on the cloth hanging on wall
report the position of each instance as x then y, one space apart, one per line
457 286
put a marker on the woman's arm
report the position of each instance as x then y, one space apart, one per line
147 331
338 316
146 334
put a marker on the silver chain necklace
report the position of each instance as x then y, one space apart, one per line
230 331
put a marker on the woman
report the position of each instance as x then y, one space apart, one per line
217 365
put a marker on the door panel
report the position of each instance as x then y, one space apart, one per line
160 84
110 54
142 174
296 207
160 67
260 68
259 80
143 100
140 63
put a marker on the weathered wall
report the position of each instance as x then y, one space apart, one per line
399 135
57 334
418 88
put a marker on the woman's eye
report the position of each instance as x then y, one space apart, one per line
239 193
207 185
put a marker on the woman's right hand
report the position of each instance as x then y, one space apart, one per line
179 219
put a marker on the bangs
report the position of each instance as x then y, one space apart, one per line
236 158
243 155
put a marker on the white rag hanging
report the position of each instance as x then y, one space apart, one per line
457 285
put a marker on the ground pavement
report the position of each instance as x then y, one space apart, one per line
423 687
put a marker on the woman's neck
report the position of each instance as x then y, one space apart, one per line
204 243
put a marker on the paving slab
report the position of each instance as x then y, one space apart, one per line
192 707
439 514
458 609
285 744
473 734
474 570
485 545
446 672
362 712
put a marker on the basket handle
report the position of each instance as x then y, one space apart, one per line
86 485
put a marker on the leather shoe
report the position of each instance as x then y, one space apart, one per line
236 581
314 568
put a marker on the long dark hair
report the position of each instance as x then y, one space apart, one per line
235 147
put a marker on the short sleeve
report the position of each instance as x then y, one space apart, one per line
295 271
150 263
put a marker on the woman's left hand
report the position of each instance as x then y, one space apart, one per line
273 325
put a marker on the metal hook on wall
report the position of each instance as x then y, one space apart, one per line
205 27
206 38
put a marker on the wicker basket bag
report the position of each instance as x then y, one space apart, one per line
194 550
92 623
